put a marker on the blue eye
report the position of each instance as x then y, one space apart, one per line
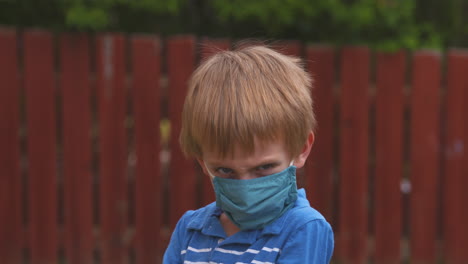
266 167
224 171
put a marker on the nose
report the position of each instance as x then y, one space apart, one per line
246 176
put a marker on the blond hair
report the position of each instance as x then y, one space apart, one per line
237 96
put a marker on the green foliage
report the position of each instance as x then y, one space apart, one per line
385 25
382 24
82 18
89 15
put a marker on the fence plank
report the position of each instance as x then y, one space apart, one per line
289 47
464 182
319 167
424 157
40 111
76 113
208 48
182 176
112 144
352 241
146 102
389 150
10 178
455 229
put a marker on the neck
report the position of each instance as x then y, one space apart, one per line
229 227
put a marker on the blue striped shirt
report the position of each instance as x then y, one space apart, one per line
301 235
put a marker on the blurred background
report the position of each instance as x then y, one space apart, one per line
383 24
91 94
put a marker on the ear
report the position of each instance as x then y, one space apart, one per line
203 166
300 160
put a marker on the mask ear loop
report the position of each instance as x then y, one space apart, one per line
290 164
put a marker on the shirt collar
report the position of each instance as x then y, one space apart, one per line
206 219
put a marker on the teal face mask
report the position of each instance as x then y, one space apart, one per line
254 203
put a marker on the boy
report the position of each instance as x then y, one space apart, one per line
248 121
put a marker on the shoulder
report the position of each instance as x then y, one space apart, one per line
301 217
195 219
302 213
307 230
304 220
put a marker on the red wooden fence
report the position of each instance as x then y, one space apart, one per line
11 197
146 101
40 96
424 156
354 109
183 180
84 174
76 112
319 184
455 161
390 81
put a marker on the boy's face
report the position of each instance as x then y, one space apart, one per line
267 158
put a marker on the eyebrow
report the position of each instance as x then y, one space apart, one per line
262 163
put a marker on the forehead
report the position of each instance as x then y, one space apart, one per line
263 151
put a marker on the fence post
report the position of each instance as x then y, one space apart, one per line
319 167
112 145
40 111
10 178
76 113
424 156
454 202
352 242
464 181
389 156
146 62
182 176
